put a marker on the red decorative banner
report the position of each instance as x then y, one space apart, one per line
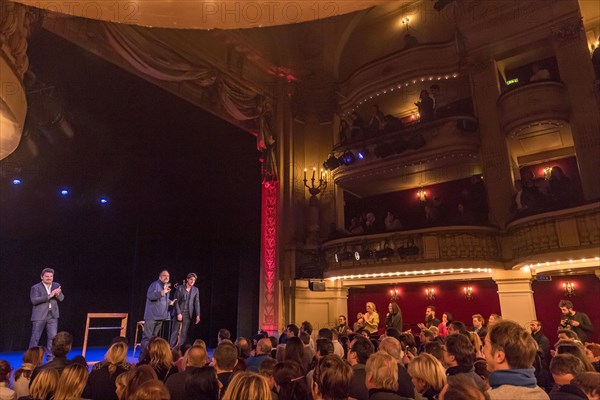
268 300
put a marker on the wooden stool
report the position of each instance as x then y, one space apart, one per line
88 328
139 325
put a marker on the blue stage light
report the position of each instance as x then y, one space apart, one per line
103 200
64 192
362 153
16 181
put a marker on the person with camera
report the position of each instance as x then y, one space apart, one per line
187 308
157 308
577 321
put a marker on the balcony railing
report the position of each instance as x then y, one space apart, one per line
532 103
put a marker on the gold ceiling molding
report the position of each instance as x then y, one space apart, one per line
204 14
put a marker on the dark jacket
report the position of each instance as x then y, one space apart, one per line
405 385
385 394
59 364
40 302
176 384
568 392
358 389
394 321
544 344
101 384
157 305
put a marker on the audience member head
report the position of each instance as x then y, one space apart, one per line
116 355
478 321
394 308
44 385
360 350
493 319
202 384
305 337
475 340
247 385
577 349
264 347
294 350
324 347
32 358
459 351
592 352
61 344
457 327
292 330
363 332
370 306
436 349
121 385
430 313
290 382
565 367
331 379
382 372
196 357
392 347
435 330
225 357
447 318
71 383
136 377
223 334
567 334
266 369
159 353
461 387
565 306
325 333
306 327
427 372
509 346
480 367
589 382
5 371
342 320
151 390
243 346
426 336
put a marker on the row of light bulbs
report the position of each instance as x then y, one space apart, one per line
528 267
405 84
412 273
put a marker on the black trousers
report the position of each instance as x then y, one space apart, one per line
175 325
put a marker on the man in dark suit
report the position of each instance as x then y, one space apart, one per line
187 304
44 315
157 308
196 358
360 350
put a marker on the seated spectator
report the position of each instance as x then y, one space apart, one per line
426 336
262 352
331 379
223 334
509 352
567 334
71 382
244 347
565 367
359 352
457 327
435 331
61 346
477 343
391 222
463 216
578 350
342 327
532 200
5 372
460 387
479 326
493 319
44 386
436 349
266 370
589 382
248 385
539 73
324 348
382 377
443 325
160 358
428 375
290 382
425 106
224 361
33 358
592 352
200 383
195 359
371 225
459 358
356 227
151 390
480 367
134 379
391 346
101 383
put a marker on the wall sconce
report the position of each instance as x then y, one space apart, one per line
569 288
313 189
422 195
468 291
405 21
547 173
430 293
394 294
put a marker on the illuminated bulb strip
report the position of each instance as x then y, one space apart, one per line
558 262
399 85
409 273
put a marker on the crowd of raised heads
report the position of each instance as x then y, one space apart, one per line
447 360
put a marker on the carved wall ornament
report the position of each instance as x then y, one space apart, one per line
569 31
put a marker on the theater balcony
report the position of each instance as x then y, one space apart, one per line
532 104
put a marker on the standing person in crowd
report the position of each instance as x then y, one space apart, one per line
479 326
187 308
33 358
359 352
541 339
430 319
371 318
331 379
428 375
342 328
510 351
393 319
157 308
6 393
44 297
577 321
443 326
459 357
225 360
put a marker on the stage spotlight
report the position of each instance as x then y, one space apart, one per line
64 192
16 181
384 253
331 163
363 254
103 200
362 153
347 158
346 255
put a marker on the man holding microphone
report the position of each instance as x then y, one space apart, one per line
157 306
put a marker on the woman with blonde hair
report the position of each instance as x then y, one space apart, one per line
44 385
160 358
71 383
135 378
428 375
101 383
151 390
33 357
371 318
121 385
247 385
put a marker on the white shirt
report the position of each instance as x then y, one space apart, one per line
48 290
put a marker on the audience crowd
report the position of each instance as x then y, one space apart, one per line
498 360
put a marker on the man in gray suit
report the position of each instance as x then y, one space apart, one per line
44 315
187 304
157 306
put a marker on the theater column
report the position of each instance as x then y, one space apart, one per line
515 294
494 150
576 72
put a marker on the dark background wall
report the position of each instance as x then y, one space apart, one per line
184 191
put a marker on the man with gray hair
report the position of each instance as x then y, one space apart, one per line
157 306
392 346
262 352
